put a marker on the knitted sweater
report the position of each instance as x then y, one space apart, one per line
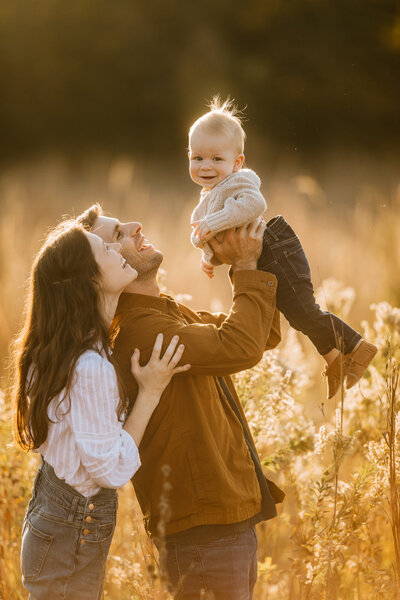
235 201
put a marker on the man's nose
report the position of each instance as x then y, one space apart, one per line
135 227
131 228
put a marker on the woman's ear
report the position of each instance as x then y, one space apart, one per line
238 164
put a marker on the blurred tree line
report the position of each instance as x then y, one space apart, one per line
132 75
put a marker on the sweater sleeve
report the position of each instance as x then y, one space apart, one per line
197 243
207 254
106 450
198 213
245 205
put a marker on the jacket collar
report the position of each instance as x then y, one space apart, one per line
129 301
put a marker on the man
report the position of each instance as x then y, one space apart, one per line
199 486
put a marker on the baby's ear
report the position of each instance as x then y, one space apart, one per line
239 160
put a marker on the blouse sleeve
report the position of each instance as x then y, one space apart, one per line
107 451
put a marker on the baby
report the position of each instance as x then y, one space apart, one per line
231 197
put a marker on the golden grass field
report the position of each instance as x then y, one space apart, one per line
337 535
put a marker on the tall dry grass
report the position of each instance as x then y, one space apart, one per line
337 533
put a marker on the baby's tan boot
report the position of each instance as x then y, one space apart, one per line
358 361
335 374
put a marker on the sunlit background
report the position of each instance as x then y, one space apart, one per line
97 99
95 104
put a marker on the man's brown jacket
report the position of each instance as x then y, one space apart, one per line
196 468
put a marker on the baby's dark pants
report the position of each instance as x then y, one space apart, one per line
283 255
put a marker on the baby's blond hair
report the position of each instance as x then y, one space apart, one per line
223 118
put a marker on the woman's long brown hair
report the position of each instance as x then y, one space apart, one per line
62 321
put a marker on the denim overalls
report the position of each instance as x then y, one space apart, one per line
283 255
65 539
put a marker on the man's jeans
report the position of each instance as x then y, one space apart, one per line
283 255
225 569
65 540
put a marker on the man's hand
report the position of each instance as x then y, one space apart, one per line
215 262
241 247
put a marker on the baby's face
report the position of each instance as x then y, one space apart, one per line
212 158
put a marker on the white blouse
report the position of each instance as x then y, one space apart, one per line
87 446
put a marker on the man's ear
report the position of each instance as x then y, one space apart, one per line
238 164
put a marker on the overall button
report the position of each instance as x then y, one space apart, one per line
270 283
88 519
91 506
86 531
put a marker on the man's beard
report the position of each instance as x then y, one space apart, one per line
148 266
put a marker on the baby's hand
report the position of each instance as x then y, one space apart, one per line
201 229
208 270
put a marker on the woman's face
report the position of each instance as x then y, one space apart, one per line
116 274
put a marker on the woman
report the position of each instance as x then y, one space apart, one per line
70 407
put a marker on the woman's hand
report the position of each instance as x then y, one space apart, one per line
154 376
152 379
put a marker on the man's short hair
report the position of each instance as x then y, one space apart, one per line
87 219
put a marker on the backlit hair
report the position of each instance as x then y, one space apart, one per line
88 218
223 118
62 320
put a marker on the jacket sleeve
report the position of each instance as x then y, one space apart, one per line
274 336
275 332
222 347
